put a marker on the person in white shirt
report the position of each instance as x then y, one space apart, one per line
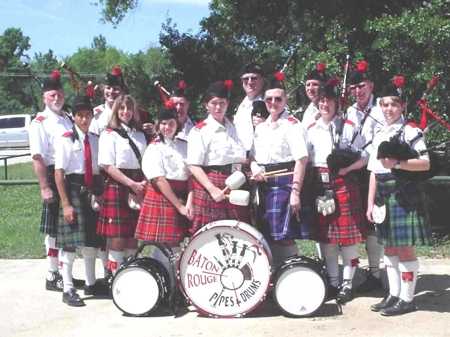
113 87
121 147
313 80
252 78
181 103
346 226
401 227
367 118
167 205
44 132
280 144
78 180
214 151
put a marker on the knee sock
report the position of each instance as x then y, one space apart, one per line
319 251
330 254
393 274
408 271
374 252
350 261
52 256
67 259
115 259
89 255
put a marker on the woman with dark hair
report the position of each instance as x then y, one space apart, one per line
343 227
214 152
120 151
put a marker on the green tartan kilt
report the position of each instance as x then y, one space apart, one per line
82 233
404 224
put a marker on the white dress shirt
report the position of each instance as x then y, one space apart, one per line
243 122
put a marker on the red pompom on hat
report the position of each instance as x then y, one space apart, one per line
182 84
362 66
55 74
228 84
53 82
399 81
169 104
116 71
279 76
321 67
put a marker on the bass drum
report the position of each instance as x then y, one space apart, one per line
225 269
139 286
300 286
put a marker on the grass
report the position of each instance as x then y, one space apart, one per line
20 208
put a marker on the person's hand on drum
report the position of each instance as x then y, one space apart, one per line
217 194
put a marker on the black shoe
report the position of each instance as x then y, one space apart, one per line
56 283
71 298
78 284
344 295
371 283
387 302
332 292
399 308
100 288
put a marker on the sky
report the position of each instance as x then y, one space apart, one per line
66 25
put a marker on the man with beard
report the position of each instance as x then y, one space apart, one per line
44 132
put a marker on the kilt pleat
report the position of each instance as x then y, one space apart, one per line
348 224
279 222
206 210
82 233
116 218
159 220
404 224
50 211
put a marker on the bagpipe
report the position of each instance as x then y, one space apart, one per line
397 147
77 83
341 157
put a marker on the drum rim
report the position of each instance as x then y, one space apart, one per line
285 267
162 277
220 225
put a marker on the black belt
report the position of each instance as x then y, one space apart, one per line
225 169
76 181
279 166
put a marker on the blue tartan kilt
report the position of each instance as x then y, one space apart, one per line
50 211
279 222
82 233
404 224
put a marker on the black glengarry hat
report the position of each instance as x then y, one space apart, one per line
81 103
53 82
252 68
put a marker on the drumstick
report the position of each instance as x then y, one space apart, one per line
266 174
280 174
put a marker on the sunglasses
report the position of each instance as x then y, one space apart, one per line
248 78
270 99
358 86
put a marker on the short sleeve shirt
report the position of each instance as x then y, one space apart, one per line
243 122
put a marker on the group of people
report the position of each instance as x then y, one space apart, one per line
105 184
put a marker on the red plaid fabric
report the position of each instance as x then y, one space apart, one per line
159 220
206 210
116 219
347 225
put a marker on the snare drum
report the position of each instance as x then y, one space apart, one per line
300 286
225 269
139 286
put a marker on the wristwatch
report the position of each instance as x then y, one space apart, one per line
397 165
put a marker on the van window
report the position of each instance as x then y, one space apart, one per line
13 122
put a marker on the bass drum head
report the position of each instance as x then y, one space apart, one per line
139 286
300 287
225 269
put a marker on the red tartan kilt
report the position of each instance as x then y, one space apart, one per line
206 210
348 224
159 220
116 219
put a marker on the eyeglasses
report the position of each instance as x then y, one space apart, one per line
271 99
248 78
358 86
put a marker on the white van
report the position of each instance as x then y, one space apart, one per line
14 130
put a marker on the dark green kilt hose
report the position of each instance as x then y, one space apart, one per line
50 211
82 233
404 224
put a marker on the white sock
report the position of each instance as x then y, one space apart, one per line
408 271
102 254
67 259
374 252
319 250
89 255
116 258
393 274
52 255
129 252
350 261
330 254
